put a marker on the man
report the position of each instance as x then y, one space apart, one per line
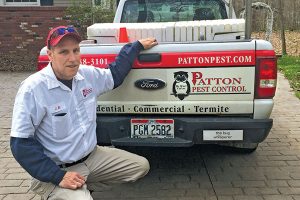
53 134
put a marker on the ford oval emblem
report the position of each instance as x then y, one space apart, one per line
150 84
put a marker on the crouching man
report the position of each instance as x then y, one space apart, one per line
53 134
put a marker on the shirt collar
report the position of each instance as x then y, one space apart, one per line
78 76
51 78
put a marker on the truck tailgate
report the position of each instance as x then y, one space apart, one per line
183 78
220 90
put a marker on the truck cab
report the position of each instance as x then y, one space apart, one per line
141 11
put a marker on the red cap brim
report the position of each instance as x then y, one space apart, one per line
53 42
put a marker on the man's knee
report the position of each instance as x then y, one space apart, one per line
144 167
67 194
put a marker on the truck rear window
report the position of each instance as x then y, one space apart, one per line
136 11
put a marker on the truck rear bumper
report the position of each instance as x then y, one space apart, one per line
188 130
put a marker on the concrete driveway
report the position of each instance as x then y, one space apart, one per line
201 172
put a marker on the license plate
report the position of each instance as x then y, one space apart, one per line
152 128
222 135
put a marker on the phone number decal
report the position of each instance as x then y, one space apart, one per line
94 61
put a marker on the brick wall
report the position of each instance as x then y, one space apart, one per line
23 33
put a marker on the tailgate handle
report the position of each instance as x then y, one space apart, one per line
151 57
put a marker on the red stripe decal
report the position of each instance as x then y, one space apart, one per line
180 60
202 59
42 62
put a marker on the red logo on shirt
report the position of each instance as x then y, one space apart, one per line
86 91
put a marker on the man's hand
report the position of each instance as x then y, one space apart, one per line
148 42
72 180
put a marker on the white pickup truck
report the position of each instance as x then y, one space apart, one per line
206 81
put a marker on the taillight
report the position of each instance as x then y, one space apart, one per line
42 62
266 77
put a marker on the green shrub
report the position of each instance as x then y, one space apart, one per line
290 66
83 15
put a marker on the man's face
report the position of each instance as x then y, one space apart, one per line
65 58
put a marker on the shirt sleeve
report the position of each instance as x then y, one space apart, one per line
102 80
108 79
121 67
30 155
27 114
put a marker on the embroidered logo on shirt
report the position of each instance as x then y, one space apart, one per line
87 91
